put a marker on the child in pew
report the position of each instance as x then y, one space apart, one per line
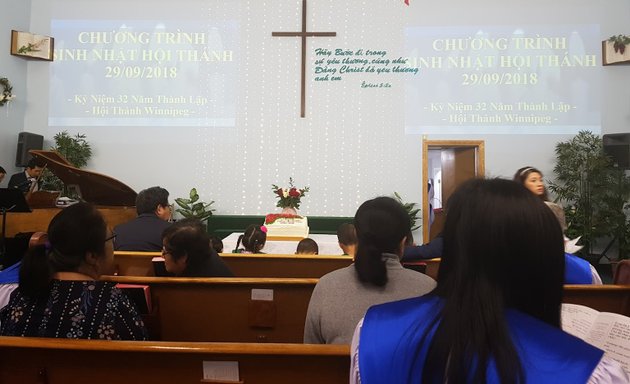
216 243
375 277
347 238
187 252
253 239
59 294
307 247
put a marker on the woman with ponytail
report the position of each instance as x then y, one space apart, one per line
341 297
494 316
59 294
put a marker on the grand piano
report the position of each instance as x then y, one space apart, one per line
114 199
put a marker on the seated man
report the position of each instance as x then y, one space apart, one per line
144 233
307 247
429 250
347 237
27 180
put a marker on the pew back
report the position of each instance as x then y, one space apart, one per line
222 309
55 361
244 265
604 298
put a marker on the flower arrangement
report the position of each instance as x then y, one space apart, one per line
289 197
5 95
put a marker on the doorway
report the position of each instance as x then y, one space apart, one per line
445 165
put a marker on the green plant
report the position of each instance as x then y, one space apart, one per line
593 192
76 150
192 208
411 209
619 42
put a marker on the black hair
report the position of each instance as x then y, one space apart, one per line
188 238
253 239
381 224
523 173
148 200
35 162
216 243
346 234
307 246
502 248
72 233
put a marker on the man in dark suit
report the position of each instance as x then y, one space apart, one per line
144 233
26 180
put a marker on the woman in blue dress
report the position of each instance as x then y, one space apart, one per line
494 316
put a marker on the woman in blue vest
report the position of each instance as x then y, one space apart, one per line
577 270
494 316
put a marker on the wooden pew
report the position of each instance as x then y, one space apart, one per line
303 266
62 361
604 298
222 309
244 265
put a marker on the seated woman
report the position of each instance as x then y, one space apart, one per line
59 294
495 314
577 270
253 239
187 251
341 297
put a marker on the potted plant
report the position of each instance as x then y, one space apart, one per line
193 208
619 43
76 150
411 209
592 191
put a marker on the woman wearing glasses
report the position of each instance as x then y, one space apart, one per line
188 252
59 294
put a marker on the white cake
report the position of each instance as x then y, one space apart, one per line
284 225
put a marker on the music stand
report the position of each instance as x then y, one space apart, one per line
11 200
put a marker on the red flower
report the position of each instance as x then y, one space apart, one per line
293 192
279 192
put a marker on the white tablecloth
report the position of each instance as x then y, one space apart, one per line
328 245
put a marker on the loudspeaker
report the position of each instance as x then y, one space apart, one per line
26 142
617 146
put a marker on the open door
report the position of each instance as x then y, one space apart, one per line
445 165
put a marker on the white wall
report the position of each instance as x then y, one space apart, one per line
14 69
351 146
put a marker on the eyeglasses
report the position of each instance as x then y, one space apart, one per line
112 237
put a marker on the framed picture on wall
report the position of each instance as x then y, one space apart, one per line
31 46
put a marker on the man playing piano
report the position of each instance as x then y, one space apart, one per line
28 180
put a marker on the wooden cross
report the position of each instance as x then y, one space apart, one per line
303 34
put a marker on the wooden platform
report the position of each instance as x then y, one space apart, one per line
38 220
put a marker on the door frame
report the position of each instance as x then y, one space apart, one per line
479 145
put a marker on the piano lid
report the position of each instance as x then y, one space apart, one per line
95 188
